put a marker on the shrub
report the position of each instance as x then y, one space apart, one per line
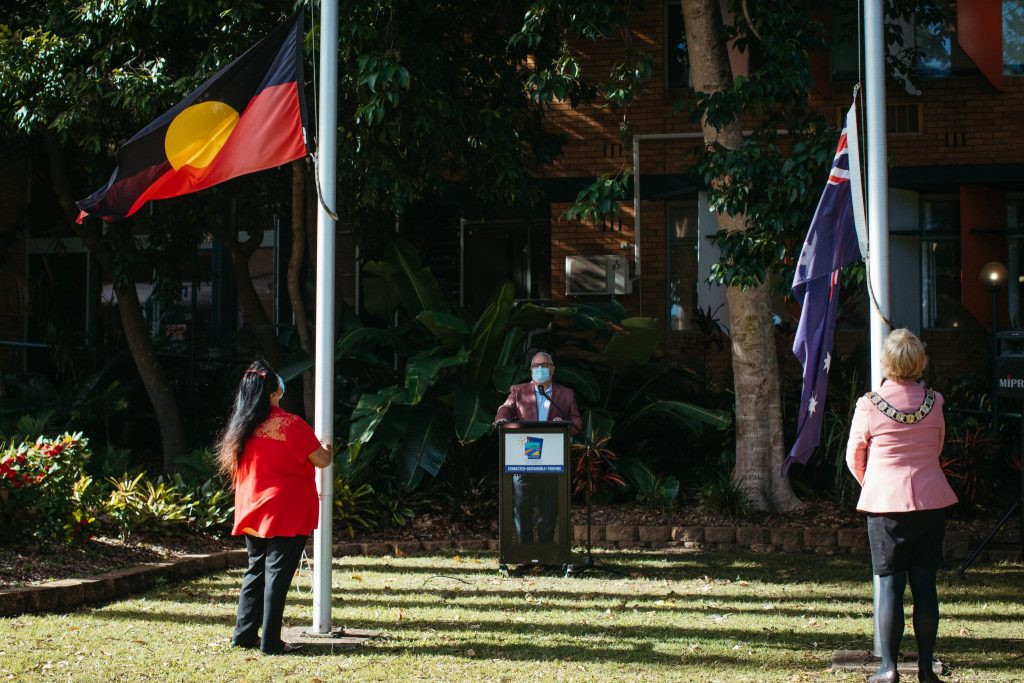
37 488
724 496
353 506
592 453
212 507
651 489
139 505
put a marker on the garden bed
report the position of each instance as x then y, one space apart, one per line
636 525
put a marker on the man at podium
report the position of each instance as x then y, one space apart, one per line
535 496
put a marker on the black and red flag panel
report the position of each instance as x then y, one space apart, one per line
247 117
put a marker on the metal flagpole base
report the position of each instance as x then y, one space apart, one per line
342 638
864 661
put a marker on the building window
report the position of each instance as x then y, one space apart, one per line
938 54
903 118
681 279
1013 37
499 250
940 263
677 59
1015 260
845 52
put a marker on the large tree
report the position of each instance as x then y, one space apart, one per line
78 78
759 439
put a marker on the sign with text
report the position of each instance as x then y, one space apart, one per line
525 452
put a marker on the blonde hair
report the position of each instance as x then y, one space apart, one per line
903 356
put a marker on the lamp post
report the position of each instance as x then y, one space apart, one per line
993 275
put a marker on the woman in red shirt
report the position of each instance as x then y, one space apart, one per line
270 456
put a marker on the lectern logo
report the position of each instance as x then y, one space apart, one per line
532 448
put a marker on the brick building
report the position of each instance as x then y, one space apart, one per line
956 191
956 178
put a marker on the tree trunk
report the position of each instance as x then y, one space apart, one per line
136 331
298 219
759 444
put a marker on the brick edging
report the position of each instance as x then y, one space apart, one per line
68 594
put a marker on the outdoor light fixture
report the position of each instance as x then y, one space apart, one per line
993 275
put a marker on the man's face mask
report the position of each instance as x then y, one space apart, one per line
280 384
540 374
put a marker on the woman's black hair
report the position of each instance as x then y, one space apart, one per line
250 410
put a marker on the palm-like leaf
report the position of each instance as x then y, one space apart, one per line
416 286
686 415
450 330
488 336
634 343
472 419
509 368
424 447
380 290
423 369
582 381
368 414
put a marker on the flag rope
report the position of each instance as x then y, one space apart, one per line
316 131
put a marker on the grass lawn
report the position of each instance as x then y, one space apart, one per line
693 617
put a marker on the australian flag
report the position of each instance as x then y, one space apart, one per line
831 243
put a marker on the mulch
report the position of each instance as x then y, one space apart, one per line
34 564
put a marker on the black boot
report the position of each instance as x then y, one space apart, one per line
926 620
890 625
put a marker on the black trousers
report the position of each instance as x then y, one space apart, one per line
272 564
535 507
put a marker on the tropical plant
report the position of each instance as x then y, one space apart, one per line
37 484
353 506
594 465
968 460
650 489
137 505
721 495
87 497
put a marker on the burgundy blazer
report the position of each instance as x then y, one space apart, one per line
521 404
898 463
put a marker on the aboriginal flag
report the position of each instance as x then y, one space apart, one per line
247 117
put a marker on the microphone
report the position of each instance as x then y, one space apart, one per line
552 407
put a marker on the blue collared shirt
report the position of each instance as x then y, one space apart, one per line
543 404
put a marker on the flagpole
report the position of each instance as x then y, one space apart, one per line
327 133
877 204
877 182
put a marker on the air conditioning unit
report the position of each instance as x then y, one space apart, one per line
597 275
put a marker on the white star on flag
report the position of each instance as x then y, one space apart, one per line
828 362
812 405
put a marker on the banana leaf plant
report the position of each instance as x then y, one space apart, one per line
431 381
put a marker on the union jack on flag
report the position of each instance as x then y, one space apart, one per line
831 243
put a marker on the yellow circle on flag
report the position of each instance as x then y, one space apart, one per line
197 134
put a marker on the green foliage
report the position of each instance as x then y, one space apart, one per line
138 505
594 463
650 489
211 505
599 201
353 506
37 488
197 466
721 495
109 461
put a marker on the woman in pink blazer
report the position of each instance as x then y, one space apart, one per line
895 442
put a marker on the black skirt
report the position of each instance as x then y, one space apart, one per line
900 540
